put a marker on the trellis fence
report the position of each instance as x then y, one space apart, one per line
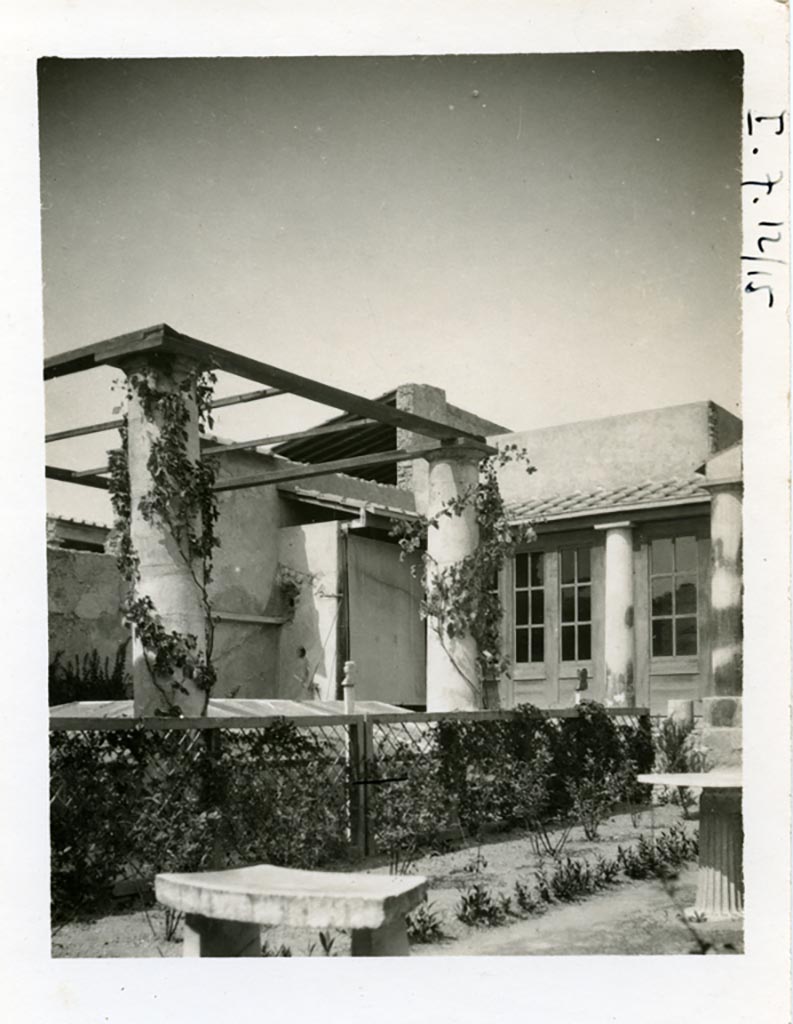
128 800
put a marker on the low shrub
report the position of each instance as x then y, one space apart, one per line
479 907
526 899
282 950
658 857
575 878
593 796
424 925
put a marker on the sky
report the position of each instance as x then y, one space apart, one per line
548 237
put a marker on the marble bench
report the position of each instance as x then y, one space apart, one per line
225 910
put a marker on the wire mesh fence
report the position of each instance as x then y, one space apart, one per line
130 800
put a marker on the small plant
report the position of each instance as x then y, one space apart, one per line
268 950
424 925
660 858
173 918
573 879
543 885
478 906
476 864
605 872
526 899
594 795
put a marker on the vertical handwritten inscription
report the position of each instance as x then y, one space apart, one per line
766 133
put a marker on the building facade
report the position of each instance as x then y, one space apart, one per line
614 593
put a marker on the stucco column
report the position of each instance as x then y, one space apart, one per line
726 530
165 573
620 687
453 682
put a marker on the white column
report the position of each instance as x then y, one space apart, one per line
726 530
453 682
620 687
165 575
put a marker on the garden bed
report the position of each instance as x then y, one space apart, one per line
628 917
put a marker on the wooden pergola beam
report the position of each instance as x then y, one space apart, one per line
295 435
218 403
69 476
302 472
166 341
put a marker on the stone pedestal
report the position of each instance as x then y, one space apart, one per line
389 940
206 936
619 613
720 876
453 682
166 576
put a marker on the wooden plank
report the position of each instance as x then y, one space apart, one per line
247 396
305 387
69 476
164 339
102 353
218 403
95 428
295 435
301 472
258 442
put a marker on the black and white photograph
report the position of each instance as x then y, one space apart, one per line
401 560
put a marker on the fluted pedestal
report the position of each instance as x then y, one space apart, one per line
720 877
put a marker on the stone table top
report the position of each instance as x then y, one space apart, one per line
269 895
717 779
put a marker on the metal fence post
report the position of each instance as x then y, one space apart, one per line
357 788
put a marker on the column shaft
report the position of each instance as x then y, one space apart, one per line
453 682
166 575
726 526
619 613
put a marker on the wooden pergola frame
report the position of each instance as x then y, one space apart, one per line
163 341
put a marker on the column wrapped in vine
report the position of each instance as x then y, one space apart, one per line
174 515
463 598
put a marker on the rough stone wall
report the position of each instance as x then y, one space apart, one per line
84 594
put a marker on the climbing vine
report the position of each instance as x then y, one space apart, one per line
182 500
462 598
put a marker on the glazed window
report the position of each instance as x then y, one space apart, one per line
673 597
575 585
529 605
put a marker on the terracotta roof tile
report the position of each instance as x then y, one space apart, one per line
648 493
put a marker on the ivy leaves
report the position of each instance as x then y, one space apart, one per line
182 499
462 599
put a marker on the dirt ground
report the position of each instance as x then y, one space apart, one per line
632 917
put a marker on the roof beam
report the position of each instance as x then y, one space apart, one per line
302 472
166 341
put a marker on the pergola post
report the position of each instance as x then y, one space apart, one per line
166 575
452 674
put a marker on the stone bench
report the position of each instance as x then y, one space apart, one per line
225 910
